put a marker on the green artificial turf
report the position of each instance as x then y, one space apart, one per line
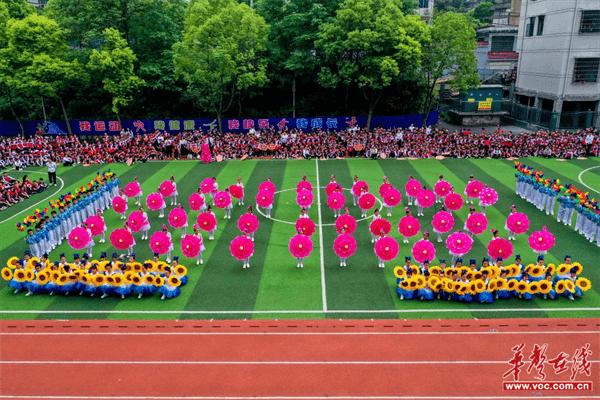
273 287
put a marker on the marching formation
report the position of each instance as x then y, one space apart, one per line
544 193
102 278
488 282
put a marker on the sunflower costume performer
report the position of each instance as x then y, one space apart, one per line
170 289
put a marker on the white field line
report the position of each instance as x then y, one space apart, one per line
579 178
62 185
321 248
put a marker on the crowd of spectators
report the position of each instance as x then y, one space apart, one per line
13 191
410 142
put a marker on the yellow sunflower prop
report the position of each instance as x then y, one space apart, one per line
501 284
562 269
399 272
550 269
12 262
118 279
149 279
99 280
174 280
512 284
42 278
7 274
578 268
533 288
159 281
569 286
545 286
435 270
522 287
584 284
559 287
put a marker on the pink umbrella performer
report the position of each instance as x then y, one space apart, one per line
208 186
423 251
237 192
160 243
487 197
412 189
156 202
345 223
169 190
386 249
472 189
192 246
391 198
442 222
541 241
264 199
408 227
358 187
366 201
81 238
476 223
138 222
499 249
178 219
122 239
385 186
97 227
300 246
344 247
119 204
305 226
458 244
196 202
379 227
304 199
248 223
336 201
267 186
425 199
134 190
332 187
304 185
441 188
242 248
453 201
223 201
517 223
207 222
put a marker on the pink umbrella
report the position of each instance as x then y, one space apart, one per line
119 204
332 187
336 200
267 186
358 186
155 201
453 201
384 187
473 188
488 196
264 199
222 199
517 222
300 246
206 221
207 185
167 188
178 218
499 247
305 226
344 245
241 247
409 226
236 191
442 221
459 243
423 250
380 227
304 198
96 224
412 187
366 201
196 201
132 189
136 221
191 245
386 248
425 198
121 239
392 197
442 188
345 222
541 241
248 223
160 242
304 185
477 223
79 238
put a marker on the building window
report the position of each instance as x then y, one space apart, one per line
502 43
586 70
529 28
423 3
540 28
590 21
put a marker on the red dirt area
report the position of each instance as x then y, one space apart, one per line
297 359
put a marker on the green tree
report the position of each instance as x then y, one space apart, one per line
18 9
113 66
221 53
367 45
33 37
449 49
482 13
294 29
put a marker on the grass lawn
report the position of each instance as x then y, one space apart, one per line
273 287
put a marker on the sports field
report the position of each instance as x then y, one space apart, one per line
273 287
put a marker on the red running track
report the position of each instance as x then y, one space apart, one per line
283 359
